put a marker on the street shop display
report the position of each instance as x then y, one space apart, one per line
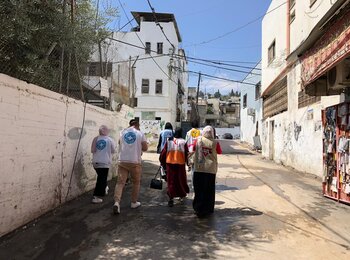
336 152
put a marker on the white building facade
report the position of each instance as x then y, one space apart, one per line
251 108
293 90
147 67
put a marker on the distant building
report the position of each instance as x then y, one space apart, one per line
251 108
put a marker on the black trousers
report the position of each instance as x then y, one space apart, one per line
101 183
204 193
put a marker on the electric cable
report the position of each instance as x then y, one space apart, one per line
158 24
238 28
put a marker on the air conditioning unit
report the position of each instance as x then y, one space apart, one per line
338 77
251 111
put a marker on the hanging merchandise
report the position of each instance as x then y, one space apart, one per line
336 142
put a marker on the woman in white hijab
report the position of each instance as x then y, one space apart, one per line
205 169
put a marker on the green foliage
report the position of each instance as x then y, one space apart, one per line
37 35
217 94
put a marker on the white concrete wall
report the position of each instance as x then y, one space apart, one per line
306 17
250 123
297 132
273 29
40 131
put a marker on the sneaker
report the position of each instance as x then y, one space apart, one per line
96 200
135 205
116 208
171 203
106 191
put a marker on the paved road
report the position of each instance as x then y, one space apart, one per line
263 211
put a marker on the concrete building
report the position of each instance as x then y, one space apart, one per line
146 67
230 112
309 39
251 108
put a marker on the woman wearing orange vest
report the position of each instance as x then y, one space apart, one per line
205 168
174 158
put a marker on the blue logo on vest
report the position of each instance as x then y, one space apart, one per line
101 144
130 137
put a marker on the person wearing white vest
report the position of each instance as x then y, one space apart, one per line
132 143
102 148
205 168
173 158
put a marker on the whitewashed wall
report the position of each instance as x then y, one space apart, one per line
250 123
39 136
297 132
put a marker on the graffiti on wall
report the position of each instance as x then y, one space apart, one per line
291 131
151 129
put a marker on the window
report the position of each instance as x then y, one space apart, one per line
150 115
159 48
257 91
245 101
305 100
277 101
272 52
148 48
312 2
159 86
145 86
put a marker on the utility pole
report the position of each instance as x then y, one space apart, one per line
197 111
199 82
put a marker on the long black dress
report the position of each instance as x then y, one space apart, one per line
204 190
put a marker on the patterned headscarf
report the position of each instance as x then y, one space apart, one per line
208 132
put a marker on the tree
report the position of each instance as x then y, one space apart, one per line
217 94
43 42
201 94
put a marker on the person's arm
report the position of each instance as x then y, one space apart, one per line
159 143
93 145
186 153
144 145
162 156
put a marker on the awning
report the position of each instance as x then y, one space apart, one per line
332 47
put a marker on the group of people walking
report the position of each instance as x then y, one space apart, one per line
198 151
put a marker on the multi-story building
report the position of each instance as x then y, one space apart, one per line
300 55
147 67
251 108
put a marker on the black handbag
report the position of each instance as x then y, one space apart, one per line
157 183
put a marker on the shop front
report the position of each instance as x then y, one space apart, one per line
325 71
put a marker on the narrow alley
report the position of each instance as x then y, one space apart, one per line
263 211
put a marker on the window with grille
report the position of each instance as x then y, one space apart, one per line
272 52
159 48
277 101
305 100
245 101
159 86
257 90
145 86
148 48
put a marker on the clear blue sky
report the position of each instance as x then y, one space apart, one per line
202 20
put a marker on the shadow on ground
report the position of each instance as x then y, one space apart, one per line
80 230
